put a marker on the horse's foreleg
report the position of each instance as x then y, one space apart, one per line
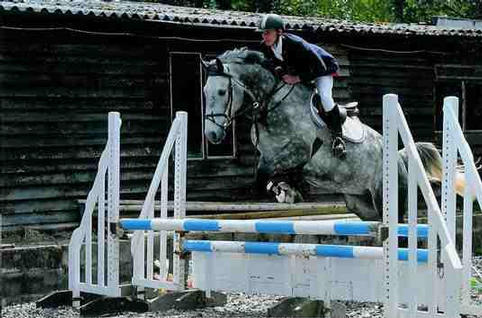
362 206
281 181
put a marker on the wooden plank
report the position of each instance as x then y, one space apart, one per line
80 93
61 64
86 152
387 59
87 118
384 66
86 177
79 52
406 82
328 210
204 168
240 210
248 206
64 130
139 185
34 206
379 90
131 84
40 218
53 227
125 104
11 143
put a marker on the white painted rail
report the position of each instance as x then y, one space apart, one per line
405 279
81 273
143 275
446 286
324 227
455 146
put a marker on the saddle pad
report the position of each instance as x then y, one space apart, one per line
352 129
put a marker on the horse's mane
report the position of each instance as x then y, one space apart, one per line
246 56
242 55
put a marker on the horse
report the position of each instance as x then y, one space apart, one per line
292 142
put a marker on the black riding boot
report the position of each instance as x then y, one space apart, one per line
334 123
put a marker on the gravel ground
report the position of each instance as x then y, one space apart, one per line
239 305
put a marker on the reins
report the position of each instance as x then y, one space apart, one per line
255 105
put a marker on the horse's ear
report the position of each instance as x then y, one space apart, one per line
204 64
219 66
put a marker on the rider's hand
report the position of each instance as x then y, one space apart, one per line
291 79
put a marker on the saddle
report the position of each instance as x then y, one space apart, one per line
352 128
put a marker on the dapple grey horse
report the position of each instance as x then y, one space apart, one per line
284 134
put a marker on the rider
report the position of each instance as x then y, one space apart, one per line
304 62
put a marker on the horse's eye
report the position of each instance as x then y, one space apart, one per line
222 92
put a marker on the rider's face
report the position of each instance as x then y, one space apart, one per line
270 37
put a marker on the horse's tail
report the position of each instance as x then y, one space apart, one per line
432 162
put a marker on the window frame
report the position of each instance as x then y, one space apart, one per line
462 82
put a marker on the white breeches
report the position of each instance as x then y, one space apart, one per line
324 86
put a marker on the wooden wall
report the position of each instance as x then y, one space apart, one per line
56 87
410 76
56 90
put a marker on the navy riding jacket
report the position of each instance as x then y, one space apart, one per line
302 58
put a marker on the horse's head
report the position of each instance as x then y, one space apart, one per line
231 77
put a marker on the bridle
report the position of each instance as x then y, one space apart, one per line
255 106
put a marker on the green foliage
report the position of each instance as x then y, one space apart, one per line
358 10
409 11
424 10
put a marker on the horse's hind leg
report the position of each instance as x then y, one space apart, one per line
362 206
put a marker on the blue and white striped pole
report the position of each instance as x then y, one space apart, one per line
340 251
327 227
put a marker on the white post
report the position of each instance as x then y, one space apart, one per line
163 269
108 163
454 144
467 235
113 200
101 234
177 138
449 196
449 160
390 203
412 234
180 196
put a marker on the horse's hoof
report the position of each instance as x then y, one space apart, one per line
281 197
269 186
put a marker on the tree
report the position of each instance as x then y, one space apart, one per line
398 9
401 11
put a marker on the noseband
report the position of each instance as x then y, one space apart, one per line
255 104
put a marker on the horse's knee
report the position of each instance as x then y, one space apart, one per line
284 192
362 206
